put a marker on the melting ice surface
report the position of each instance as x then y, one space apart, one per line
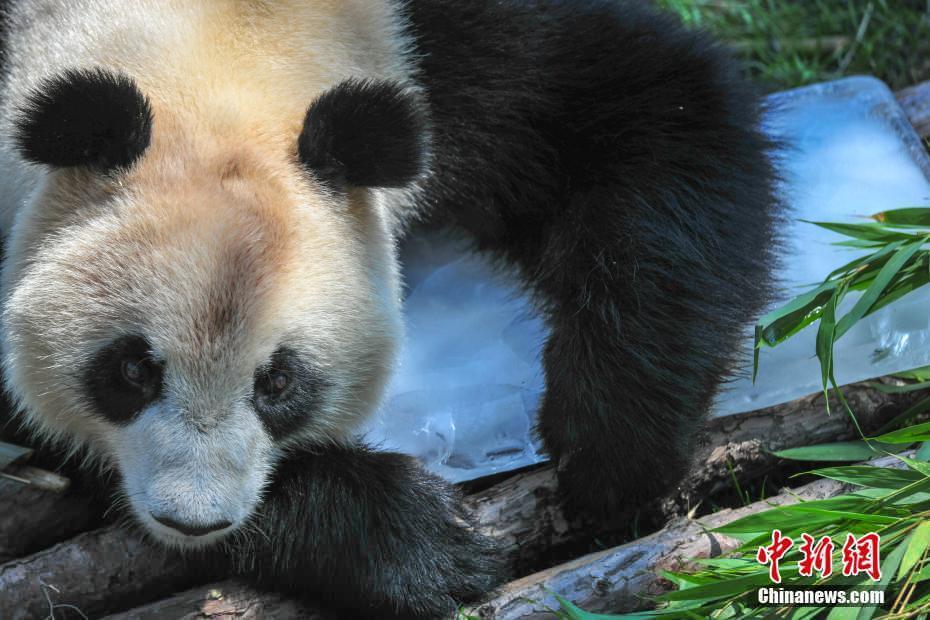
464 397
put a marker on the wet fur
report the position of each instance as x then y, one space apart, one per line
612 158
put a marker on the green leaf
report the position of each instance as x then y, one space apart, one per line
839 451
917 543
824 342
875 260
915 465
9 454
923 453
725 588
839 515
910 216
794 316
900 289
899 389
873 477
843 613
871 231
775 518
889 568
908 435
916 374
573 612
882 280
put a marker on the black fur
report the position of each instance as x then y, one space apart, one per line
369 533
284 414
110 394
614 158
95 118
364 134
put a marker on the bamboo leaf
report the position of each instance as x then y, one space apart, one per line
910 216
839 451
573 612
916 374
824 342
882 280
871 231
923 453
875 259
899 389
916 409
794 316
873 477
726 588
889 568
909 435
917 543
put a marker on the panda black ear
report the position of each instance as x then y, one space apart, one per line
365 134
94 118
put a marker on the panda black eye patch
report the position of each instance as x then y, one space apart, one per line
288 388
123 378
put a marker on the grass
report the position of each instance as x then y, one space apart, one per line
788 43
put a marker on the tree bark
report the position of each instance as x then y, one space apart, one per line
94 572
225 600
32 518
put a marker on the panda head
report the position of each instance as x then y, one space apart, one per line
187 295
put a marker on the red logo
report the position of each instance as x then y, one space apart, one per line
860 555
773 554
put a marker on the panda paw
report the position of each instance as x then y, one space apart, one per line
603 488
371 534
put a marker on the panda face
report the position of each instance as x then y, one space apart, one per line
188 317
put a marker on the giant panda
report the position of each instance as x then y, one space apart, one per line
201 301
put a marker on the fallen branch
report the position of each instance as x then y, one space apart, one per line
225 600
95 571
622 578
32 518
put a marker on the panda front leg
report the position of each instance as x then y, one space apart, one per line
644 326
370 533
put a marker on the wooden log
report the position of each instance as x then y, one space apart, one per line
226 600
915 100
620 579
108 568
32 518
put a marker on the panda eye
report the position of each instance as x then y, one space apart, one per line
288 391
123 378
140 373
136 372
272 384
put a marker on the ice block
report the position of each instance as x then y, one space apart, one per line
465 393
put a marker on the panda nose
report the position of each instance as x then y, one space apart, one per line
190 529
